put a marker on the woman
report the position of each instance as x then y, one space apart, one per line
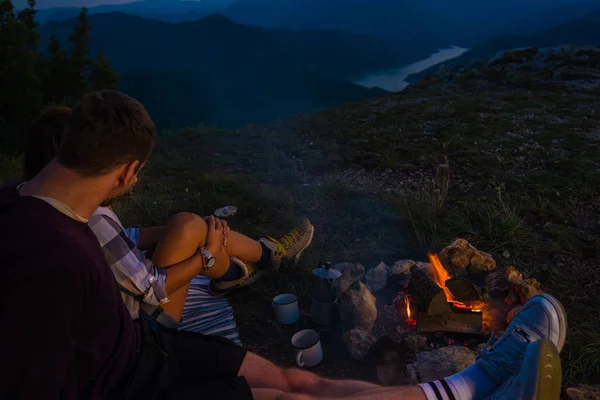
159 286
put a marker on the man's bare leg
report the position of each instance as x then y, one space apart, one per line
263 374
384 393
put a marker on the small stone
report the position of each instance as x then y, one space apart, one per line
351 272
511 314
583 392
506 254
377 277
358 307
359 342
402 268
440 363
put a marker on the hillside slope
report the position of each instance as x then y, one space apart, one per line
217 72
506 155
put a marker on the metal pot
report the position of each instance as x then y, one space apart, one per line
323 285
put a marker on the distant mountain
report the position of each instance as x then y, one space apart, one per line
579 31
165 10
427 22
218 72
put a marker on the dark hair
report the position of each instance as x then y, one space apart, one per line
43 138
107 129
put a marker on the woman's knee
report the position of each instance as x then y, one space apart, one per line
189 224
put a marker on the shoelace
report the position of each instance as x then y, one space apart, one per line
287 240
512 351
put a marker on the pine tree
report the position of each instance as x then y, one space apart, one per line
80 60
56 74
101 74
21 96
28 23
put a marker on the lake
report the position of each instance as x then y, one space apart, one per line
394 80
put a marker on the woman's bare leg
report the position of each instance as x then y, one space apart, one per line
180 240
243 247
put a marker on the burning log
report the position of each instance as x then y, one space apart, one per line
463 289
464 322
430 297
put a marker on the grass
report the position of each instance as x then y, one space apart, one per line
507 167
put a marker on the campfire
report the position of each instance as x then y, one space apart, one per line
444 303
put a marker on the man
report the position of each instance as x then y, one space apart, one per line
68 335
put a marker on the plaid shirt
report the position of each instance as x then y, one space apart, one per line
142 284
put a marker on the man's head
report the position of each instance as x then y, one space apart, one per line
43 138
109 135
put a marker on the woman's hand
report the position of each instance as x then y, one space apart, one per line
216 235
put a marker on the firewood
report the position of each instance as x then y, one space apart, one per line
463 289
468 322
430 297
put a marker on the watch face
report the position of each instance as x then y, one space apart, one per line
211 262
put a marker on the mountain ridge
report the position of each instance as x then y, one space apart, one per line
240 73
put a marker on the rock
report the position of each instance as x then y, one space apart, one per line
414 343
391 357
357 307
506 254
359 342
583 392
522 291
440 363
500 281
377 277
462 260
402 268
511 314
422 265
351 272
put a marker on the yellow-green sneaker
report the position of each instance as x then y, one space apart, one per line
291 245
249 275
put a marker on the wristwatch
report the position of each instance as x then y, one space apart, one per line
210 260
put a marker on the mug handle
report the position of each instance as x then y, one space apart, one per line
300 359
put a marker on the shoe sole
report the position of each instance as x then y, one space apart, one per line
562 319
297 258
225 292
542 358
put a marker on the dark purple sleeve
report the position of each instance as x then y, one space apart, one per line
42 306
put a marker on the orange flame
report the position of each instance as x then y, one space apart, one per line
409 320
440 275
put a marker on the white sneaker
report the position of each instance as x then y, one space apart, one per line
539 377
542 317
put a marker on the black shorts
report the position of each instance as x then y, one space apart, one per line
186 365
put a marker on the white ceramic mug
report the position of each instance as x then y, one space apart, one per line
307 346
286 308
